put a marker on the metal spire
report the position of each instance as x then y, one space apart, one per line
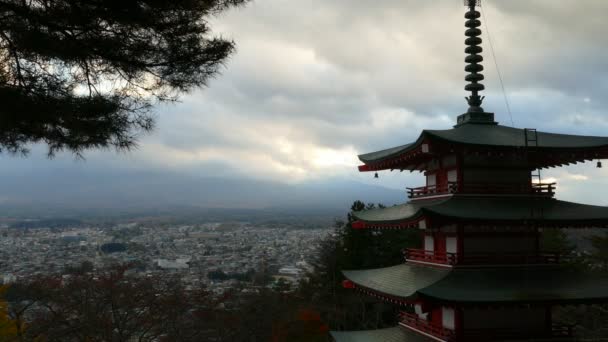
473 58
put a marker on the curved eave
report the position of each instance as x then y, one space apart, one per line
521 285
479 286
394 156
557 149
402 224
397 283
498 210
407 215
388 153
396 334
544 211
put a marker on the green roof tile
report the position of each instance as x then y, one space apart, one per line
491 135
398 212
378 155
519 284
486 285
490 208
400 281
396 334
507 136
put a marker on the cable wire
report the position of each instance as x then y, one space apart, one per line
502 84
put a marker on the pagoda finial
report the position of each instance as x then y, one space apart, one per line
473 57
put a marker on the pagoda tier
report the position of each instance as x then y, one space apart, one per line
484 210
483 286
481 273
481 303
396 334
397 284
504 143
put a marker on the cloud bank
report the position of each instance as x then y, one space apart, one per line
315 83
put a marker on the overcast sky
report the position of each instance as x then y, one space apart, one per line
314 83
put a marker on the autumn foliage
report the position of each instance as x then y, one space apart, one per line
8 327
111 306
304 325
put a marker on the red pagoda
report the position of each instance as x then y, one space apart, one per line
481 274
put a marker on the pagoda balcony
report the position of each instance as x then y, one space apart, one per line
432 190
539 189
431 257
452 259
424 326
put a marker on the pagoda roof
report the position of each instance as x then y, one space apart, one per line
400 281
489 135
396 334
525 284
519 284
499 208
381 155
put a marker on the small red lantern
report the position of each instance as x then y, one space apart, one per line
358 225
347 284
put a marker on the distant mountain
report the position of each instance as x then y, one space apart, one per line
129 190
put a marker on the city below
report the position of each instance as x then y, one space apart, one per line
218 255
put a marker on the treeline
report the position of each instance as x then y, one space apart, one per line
350 249
590 321
111 305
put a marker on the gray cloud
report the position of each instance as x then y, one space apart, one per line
314 83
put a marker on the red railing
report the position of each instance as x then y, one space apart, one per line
423 325
431 256
542 189
445 258
431 190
